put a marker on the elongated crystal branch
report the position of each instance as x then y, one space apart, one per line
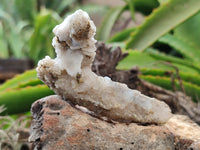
70 76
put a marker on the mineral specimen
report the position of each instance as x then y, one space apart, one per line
70 76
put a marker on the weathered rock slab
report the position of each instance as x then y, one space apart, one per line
58 125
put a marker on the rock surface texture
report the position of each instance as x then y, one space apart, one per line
57 125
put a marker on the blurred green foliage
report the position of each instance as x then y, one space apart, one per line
19 22
167 41
26 25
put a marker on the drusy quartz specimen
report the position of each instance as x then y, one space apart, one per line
70 76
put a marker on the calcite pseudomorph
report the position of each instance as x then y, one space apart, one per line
70 76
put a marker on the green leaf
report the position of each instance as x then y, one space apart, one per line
31 82
16 43
191 90
41 39
189 31
122 36
3 44
188 77
136 58
25 10
181 46
19 79
109 20
4 16
7 6
20 100
154 61
162 1
144 6
185 64
161 21
12 34
131 8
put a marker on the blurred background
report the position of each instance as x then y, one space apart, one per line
26 30
162 38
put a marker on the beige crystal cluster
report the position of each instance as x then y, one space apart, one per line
70 76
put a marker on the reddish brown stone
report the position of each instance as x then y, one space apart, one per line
58 126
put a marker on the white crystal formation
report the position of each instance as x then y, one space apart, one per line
70 76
